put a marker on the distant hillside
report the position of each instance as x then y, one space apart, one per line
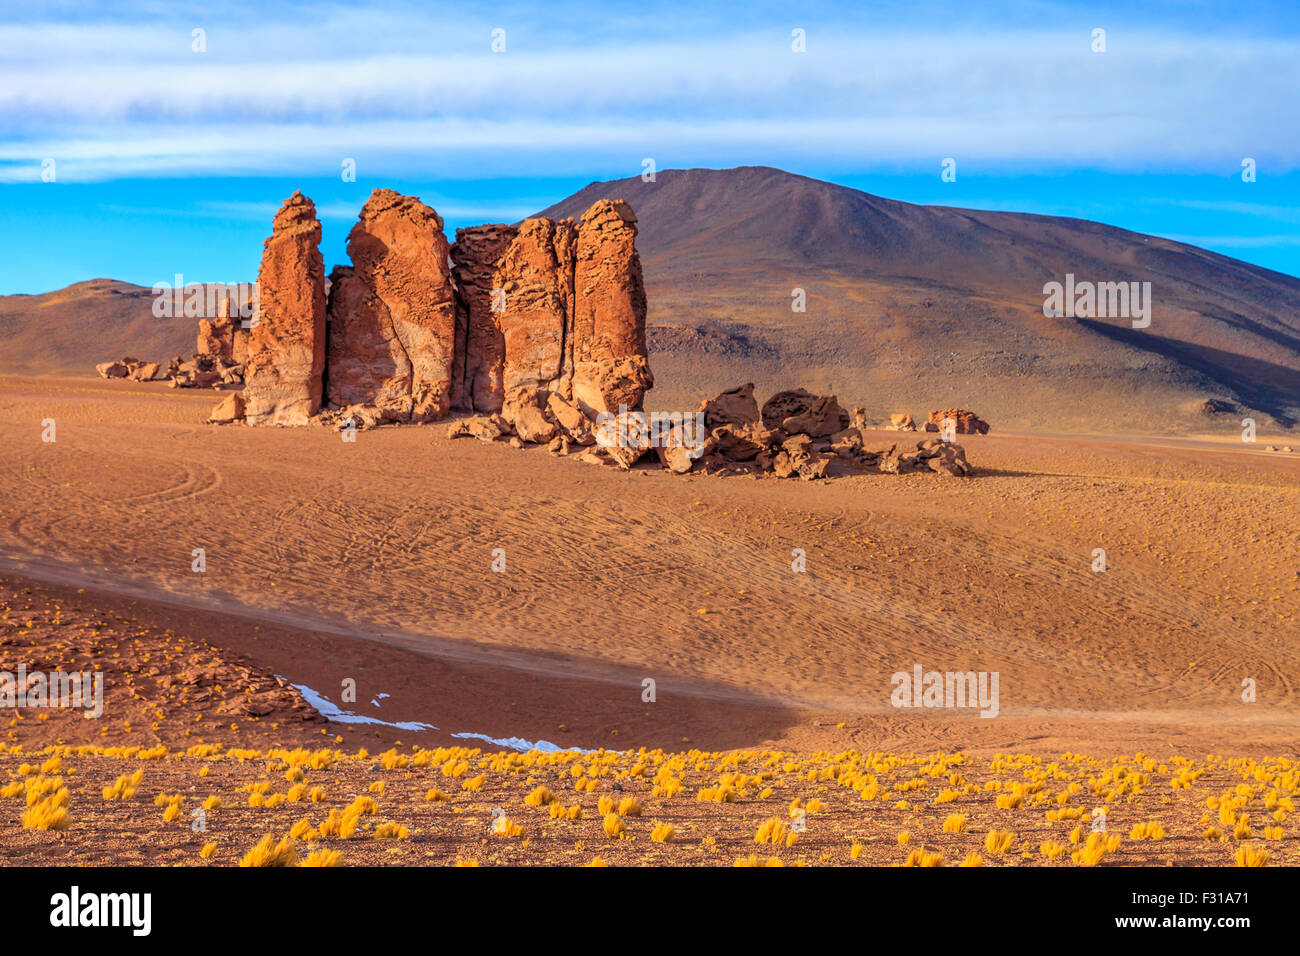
919 307
70 331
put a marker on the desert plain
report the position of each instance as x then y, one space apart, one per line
500 611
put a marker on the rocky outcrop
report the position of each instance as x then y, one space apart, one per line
799 447
479 374
392 315
967 422
535 276
902 422
286 346
224 337
610 367
547 319
129 368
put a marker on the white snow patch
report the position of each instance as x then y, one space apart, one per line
518 743
331 711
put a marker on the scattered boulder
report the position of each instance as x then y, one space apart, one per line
523 409
743 442
569 417
1218 406
229 409
901 422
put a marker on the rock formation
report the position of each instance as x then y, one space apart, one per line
543 324
609 307
535 276
801 412
479 374
392 315
286 346
224 337
968 423
736 406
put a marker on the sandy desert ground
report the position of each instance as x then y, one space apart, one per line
373 561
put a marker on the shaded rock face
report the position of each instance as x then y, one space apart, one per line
366 362
535 274
286 346
479 374
393 314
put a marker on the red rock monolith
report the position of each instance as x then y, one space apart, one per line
286 346
393 327
609 308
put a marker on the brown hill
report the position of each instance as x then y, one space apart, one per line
922 307
74 329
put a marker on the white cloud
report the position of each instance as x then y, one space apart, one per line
421 93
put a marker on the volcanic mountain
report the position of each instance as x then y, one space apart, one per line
913 308
906 308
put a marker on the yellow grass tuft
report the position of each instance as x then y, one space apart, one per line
1251 856
998 841
267 852
539 797
323 858
919 857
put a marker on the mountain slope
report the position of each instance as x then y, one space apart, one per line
917 307
72 330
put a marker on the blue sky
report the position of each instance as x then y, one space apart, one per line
167 160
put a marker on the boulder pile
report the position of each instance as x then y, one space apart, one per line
129 368
204 370
794 434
